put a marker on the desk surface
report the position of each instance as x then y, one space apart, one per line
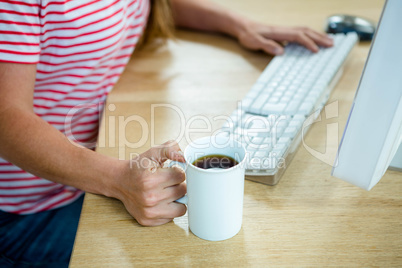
308 219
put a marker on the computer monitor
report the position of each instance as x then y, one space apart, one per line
372 138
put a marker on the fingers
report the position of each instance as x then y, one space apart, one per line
152 222
155 205
295 35
159 178
150 190
312 39
161 207
270 46
177 209
169 150
306 41
303 35
320 38
175 192
155 216
172 210
170 177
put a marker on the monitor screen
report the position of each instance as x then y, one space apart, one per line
373 133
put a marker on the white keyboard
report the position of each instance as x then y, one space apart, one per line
269 120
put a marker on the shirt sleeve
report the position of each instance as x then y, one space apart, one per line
20 31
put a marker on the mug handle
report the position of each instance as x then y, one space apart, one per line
183 199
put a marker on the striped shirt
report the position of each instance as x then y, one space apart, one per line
80 48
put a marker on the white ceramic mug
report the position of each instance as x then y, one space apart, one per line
214 196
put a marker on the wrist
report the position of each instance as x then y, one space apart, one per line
235 25
113 182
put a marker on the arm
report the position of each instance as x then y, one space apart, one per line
147 191
207 16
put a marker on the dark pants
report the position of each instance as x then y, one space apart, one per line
44 239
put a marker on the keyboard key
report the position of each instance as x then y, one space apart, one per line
306 108
295 123
283 121
290 132
277 94
254 163
268 163
273 108
299 117
259 103
285 99
252 147
273 100
284 140
266 144
257 132
268 72
292 107
260 154
260 122
258 140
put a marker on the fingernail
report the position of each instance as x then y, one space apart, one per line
154 166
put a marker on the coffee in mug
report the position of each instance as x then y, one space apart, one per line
215 161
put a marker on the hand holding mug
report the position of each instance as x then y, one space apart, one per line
148 190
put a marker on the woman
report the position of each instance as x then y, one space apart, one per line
58 62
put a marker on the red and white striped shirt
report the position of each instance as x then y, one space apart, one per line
80 48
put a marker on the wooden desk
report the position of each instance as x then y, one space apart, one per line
308 219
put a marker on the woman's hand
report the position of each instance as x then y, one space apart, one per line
148 190
258 36
208 16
